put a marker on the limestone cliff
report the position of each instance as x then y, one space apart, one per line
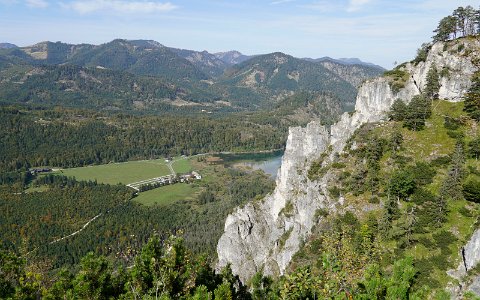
265 235
470 257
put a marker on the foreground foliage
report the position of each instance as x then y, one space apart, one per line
167 270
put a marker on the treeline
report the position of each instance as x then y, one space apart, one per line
464 21
169 271
77 138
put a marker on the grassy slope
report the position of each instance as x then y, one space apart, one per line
425 145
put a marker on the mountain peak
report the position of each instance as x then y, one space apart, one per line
7 46
146 43
232 57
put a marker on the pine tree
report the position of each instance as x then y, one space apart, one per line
472 98
398 110
446 28
452 185
433 83
418 111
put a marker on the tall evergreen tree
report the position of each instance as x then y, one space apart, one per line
433 83
418 111
472 98
452 185
446 29
398 110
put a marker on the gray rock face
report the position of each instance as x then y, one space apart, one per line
472 250
471 253
456 66
265 235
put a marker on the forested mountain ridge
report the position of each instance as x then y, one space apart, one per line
278 74
180 78
74 86
208 63
7 45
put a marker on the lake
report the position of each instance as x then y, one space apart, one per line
268 162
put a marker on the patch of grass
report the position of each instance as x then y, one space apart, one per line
434 140
115 173
168 194
37 189
182 165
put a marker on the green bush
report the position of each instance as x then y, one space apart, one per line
397 79
465 212
338 165
334 192
451 123
421 196
441 161
471 190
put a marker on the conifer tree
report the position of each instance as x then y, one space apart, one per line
452 185
472 98
433 83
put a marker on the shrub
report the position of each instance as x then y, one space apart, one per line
397 79
338 165
465 212
421 196
334 192
402 184
471 190
451 123
441 161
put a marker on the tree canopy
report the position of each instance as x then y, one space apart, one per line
462 22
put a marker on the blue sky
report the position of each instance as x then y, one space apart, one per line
377 31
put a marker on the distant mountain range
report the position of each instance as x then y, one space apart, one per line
151 75
345 61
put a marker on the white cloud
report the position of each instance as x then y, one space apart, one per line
119 6
280 2
354 5
36 3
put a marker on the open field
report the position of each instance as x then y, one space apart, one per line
167 194
120 172
182 165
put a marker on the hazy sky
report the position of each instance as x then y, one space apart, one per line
378 31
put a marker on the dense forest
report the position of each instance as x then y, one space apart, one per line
34 222
68 138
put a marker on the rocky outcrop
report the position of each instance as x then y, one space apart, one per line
471 251
469 259
265 235
455 66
